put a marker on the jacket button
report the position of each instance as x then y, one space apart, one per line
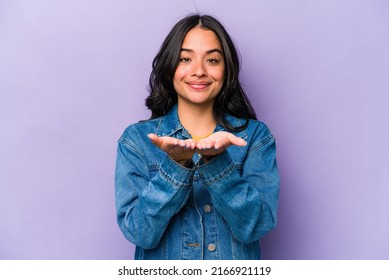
207 208
211 247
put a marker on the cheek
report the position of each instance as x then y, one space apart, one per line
179 75
218 74
181 72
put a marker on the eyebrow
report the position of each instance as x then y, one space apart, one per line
208 52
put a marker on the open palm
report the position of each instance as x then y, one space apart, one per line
178 150
217 142
183 150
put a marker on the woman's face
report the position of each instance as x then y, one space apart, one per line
199 75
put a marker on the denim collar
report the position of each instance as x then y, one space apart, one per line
170 124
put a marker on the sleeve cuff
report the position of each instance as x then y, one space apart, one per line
175 173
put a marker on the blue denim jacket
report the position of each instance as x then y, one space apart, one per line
216 210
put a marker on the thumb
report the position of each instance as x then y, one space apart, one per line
157 141
237 141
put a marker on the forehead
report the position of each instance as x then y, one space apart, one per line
201 39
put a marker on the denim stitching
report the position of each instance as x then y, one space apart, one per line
261 144
220 175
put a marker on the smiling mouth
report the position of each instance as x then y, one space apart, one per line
198 86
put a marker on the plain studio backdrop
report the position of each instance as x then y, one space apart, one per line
74 74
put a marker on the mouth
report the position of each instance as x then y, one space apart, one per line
198 85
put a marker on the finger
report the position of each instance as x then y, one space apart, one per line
190 144
182 143
221 143
237 141
157 141
185 145
208 144
172 142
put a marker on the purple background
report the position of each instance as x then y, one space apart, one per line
73 75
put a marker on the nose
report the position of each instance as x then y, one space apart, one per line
198 69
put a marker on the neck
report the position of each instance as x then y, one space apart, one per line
198 120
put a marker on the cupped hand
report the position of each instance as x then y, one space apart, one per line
179 150
182 151
217 142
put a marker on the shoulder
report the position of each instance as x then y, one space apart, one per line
140 129
257 135
259 128
260 135
161 125
255 129
143 126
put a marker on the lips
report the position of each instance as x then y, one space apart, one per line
198 85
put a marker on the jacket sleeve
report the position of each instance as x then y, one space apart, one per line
247 200
146 205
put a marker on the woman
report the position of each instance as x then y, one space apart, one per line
204 184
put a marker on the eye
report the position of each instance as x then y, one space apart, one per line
184 59
213 60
